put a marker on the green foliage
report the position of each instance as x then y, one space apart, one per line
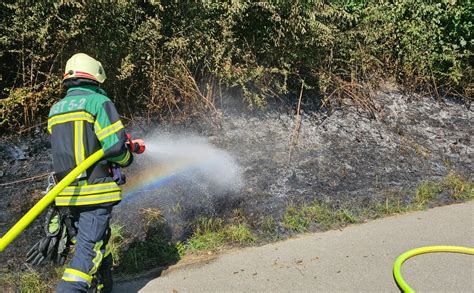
175 58
431 42
25 106
156 251
208 235
31 281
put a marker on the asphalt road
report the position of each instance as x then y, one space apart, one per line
356 259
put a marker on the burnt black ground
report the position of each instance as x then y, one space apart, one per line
21 157
345 159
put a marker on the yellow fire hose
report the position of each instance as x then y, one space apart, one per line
422 250
48 199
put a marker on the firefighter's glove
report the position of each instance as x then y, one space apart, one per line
45 248
42 250
55 245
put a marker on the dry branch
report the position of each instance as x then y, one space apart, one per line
296 130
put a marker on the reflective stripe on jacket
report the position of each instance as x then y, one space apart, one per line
80 124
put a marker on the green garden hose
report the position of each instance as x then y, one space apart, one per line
422 250
48 199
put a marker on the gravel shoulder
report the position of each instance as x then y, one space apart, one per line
356 258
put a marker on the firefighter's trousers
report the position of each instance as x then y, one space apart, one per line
92 260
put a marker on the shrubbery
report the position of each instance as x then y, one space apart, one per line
175 58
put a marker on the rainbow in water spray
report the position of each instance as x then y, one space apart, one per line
172 156
155 177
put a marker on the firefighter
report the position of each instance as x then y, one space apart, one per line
84 121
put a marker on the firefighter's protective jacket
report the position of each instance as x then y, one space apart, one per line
80 124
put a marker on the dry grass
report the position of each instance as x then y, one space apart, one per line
458 187
151 216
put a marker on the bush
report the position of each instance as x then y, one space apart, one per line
427 42
26 106
175 59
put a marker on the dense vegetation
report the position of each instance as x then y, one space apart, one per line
176 59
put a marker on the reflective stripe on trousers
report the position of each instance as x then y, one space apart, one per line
90 248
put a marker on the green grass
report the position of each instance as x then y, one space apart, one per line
454 185
211 235
296 219
239 234
214 234
426 192
346 216
30 280
393 204
205 225
300 218
269 225
9 281
206 241
152 253
155 251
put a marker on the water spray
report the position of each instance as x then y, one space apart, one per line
182 158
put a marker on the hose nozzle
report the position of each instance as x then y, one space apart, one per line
136 146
